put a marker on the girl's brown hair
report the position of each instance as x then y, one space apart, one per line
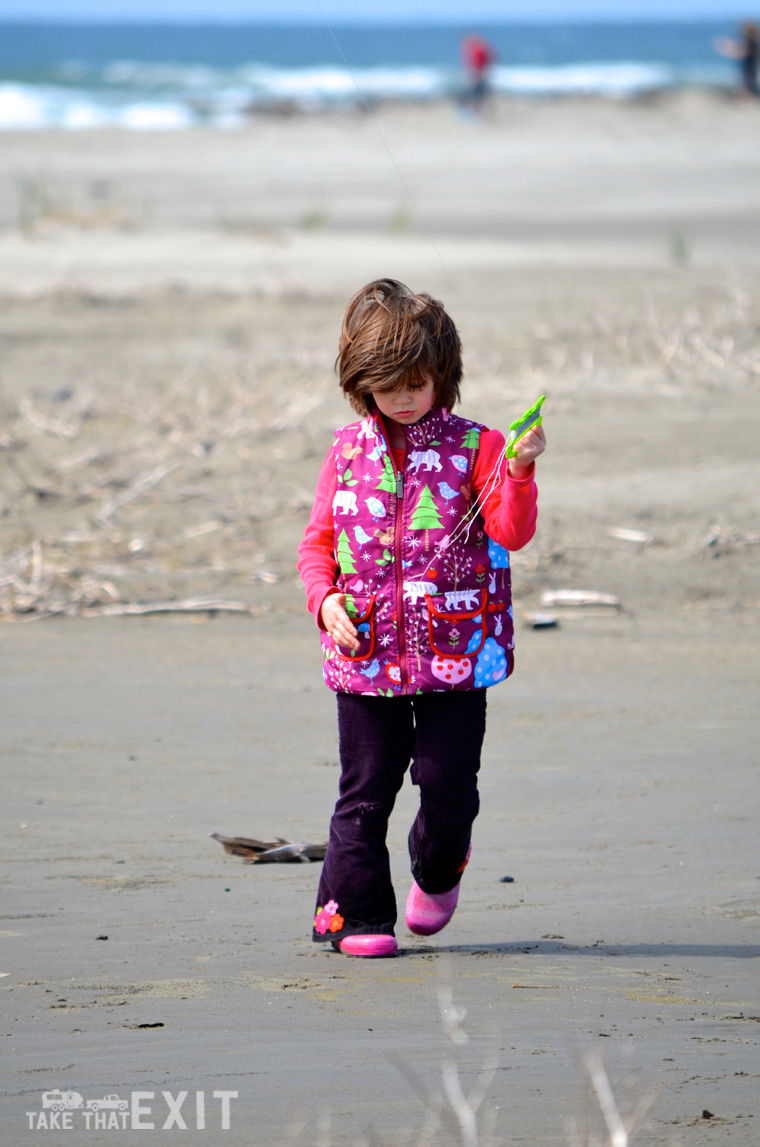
390 336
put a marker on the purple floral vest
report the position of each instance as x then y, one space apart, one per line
429 596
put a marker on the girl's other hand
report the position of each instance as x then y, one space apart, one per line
527 449
337 622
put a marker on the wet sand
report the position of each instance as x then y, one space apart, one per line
167 399
617 789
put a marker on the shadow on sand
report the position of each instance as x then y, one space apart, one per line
552 948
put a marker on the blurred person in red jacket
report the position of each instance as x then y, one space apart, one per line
478 57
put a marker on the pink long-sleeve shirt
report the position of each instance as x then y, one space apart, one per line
509 514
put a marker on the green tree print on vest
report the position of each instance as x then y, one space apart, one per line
387 478
345 554
426 516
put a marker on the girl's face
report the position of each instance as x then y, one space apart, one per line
406 404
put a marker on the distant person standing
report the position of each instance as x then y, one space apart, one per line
478 57
745 50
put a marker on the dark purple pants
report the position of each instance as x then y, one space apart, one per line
442 733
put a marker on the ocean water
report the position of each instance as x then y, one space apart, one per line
175 76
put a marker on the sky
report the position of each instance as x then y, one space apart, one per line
353 11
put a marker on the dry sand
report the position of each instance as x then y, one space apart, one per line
169 314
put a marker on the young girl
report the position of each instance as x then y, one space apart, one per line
406 571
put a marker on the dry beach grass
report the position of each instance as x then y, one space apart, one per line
153 454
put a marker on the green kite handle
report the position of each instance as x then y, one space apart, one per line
523 424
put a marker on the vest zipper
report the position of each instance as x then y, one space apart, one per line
398 551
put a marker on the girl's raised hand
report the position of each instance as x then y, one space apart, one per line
337 622
527 449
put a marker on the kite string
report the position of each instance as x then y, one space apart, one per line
381 137
492 482
465 523
489 486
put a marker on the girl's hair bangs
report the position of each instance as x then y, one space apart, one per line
391 336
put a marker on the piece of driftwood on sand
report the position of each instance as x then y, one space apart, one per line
279 851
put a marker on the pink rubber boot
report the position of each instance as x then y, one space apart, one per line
429 912
371 945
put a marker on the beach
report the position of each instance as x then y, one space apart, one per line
170 309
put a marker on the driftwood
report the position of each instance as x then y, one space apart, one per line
579 598
638 537
191 605
538 619
277 851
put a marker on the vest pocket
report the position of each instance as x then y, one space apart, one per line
455 632
361 610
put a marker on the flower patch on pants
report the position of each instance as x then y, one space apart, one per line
328 919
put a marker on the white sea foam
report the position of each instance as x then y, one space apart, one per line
144 97
621 79
27 108
20 108
329 84
155 117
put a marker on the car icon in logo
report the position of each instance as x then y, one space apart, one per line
59 1100
109 1103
